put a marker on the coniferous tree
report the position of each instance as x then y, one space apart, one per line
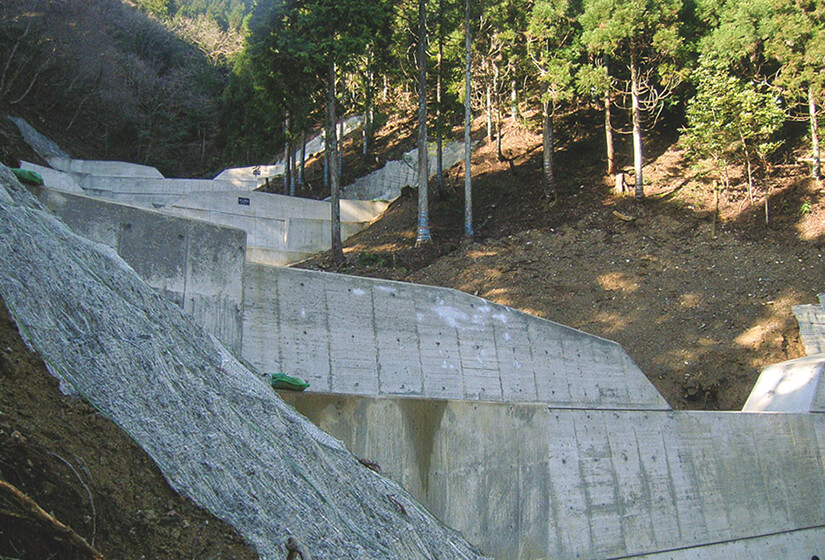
646 36
423 236
468 118
554 48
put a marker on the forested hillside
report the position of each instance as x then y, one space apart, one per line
194 85
644 65
708 110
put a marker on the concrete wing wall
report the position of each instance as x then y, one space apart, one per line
314 146
52 178
386 183
150 192
280 229
371 337
197 265
526 481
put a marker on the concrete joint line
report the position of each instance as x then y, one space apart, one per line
716 543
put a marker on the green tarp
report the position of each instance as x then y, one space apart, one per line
28 176
284 381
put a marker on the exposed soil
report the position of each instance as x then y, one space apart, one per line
701 304
88 474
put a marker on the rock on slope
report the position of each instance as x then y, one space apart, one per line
218 433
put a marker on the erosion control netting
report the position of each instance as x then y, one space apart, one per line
217 431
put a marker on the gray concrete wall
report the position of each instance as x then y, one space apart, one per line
52 178
811 319
788 386
314 145
104 168
386 183
528 481
372 337
197 265
803 544
44 147
796 385
280 229
152 193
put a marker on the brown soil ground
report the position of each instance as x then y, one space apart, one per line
701 304
89 475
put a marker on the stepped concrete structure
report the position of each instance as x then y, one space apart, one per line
386 183
535 440
314 146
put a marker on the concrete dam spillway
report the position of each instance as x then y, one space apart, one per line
535 440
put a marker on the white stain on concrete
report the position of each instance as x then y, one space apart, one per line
501 318
452 316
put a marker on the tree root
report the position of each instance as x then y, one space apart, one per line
41 516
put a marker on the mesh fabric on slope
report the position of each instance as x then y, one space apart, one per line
218 433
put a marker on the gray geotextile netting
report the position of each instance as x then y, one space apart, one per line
220 435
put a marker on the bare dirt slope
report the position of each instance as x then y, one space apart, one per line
700 307
89 475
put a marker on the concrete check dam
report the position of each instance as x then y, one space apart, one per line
532 439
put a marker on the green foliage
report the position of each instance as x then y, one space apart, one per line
159 8
782 41
555 47
729 119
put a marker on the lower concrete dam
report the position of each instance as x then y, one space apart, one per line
534 440
528 481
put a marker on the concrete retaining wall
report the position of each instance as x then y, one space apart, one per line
527 481
372 337
788 386
386 183
44 147
153 193
315 145
280 229
104 168
197 265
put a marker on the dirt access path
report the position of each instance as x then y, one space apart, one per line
700 307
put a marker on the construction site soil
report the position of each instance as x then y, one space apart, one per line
701 299
701 304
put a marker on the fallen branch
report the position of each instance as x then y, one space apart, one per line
623 217
43 517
